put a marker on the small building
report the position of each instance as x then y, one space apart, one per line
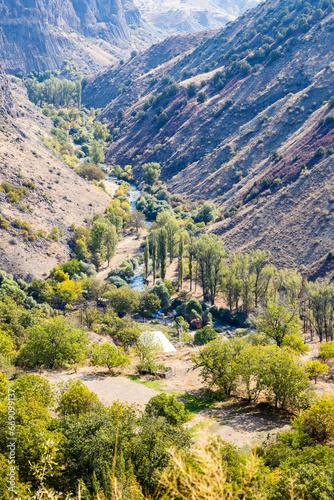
160 337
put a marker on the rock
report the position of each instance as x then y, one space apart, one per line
196 324
29 40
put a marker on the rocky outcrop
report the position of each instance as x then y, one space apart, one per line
186 16
40 34
7 104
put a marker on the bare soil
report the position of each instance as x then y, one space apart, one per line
235 421
108 388
60 199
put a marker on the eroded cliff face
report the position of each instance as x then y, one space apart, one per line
7 104
40 34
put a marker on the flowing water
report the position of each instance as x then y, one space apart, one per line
137 282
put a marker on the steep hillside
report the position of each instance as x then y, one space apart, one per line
240 119
51 193
125 83
7 104
184 16
92 34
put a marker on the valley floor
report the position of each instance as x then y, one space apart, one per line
235 420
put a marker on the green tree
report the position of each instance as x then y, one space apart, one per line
147 257
210 254
151 173
161 290
259 260
97 237
181 262
96 153
110 356
151 303
206 213
123 300
146 347
318 420
81 249
137 220
278 321
53 343
90 316
6 345
218 363
204 336
154 254
162 252
326 351
168 222
168 407
314 368
110 241
76 399
284 378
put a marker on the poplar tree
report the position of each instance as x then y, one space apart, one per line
180 262
146 257
162 252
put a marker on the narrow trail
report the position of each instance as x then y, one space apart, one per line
130 245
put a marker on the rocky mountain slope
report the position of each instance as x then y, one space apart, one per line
92 34
53 195
184 16
243 118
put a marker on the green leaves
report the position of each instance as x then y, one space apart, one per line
110 356
53 343
237 367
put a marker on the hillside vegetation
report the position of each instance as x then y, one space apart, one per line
41 196
244 118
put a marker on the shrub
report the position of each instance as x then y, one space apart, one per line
326 351
53 343
194 304
204 336
321 151
76 399
168 407
202 97
91 172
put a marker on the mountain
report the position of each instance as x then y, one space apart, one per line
92 34
7 104
243 118
53 194
183 16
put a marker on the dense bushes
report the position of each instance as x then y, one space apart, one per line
233 367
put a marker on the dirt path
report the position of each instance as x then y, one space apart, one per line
128 247
108 388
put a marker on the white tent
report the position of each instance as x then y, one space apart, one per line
160 338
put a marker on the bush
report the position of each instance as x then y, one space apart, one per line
318 420
53 343
194 304
202 97
326 351
321 151
123 300
91 172
204 336
162 292
76 399
168 407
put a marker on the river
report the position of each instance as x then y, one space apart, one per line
137 282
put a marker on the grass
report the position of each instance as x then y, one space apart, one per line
152 384
195 405
198 427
